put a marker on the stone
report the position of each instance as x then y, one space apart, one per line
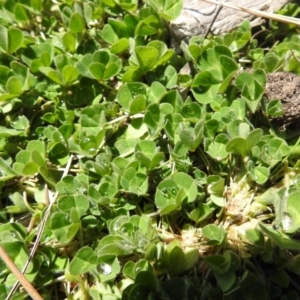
197 16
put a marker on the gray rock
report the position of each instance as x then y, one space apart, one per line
197 16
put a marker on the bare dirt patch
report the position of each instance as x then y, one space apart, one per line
285 86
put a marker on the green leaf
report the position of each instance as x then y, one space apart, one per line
171 77
147 57
238 146
187 136
165 54
119 46
214 233
172 9
5 72
147 148
61 61
97 70
36 4
156 92
169 9
147 279
226 281
191 257
237 128
149 160
255 237
191 111
200 213
69 74
176 260
58 153
261 174
7 132
11 39
76 23
275 108
121 28
52 74
173 258
50 176
20 71
260 76
139 291
242 146
20 13
17 252
6 169
128 5
252 89
210 128
15 39
102 65
88 12
66 185
280 239
134 182
253 137
62 228
108 34
108 268
14 85
131 269
274 150
114 245
24 156
229 67
205 87
84 260
37 158
219 264
166 193
69 41
292 212
89 144
79 202
130 91
186 182
4 40
217 148
148 26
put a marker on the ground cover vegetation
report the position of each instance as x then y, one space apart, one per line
124 176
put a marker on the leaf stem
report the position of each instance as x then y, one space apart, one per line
204 159
121 118
108 86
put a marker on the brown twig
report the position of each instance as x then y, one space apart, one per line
213 21
21 278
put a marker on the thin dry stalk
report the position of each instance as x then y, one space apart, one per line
42 225
21 278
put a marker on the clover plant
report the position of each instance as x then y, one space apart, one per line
122 176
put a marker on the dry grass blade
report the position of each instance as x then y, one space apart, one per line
258 13
21 278
213 21
42 225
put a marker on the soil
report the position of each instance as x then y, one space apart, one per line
285 86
